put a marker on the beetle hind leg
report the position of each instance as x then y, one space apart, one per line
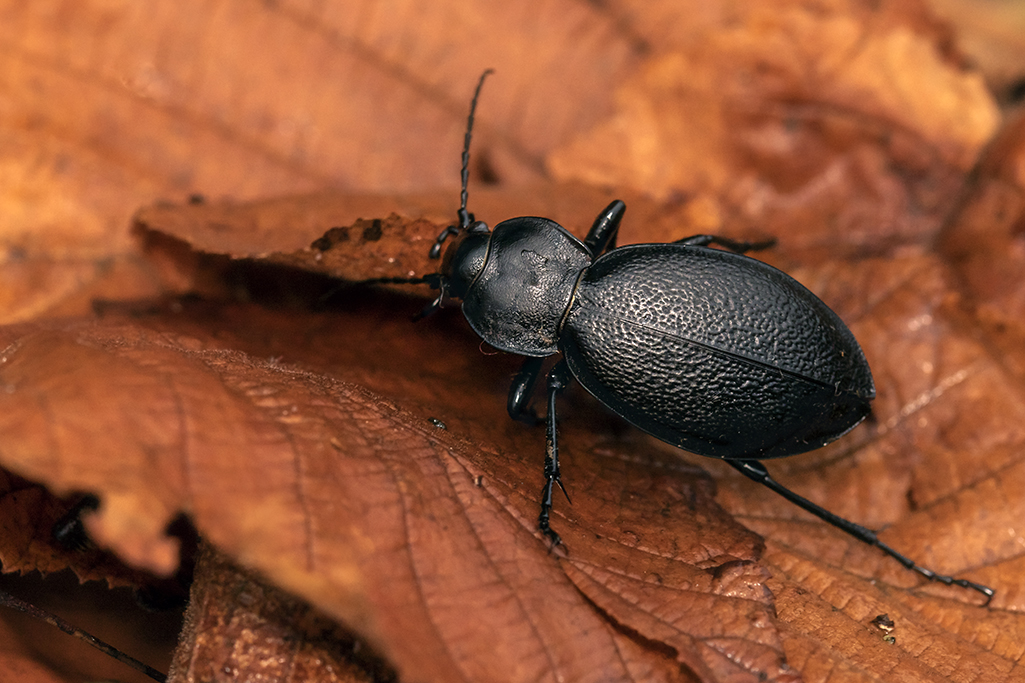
738 246
756 471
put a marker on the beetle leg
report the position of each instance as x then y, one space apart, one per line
558 379
440 283
450 231
756 471
430 308
522 389
733 245
603 233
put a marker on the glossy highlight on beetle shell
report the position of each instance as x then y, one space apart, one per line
521 292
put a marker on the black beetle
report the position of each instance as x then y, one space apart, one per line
708 350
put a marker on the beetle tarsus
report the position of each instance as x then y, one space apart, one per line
933 576
547 531
543 523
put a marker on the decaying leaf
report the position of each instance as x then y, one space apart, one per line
984 240
787 113
991 36
366 236
29 512
113 107
366 465
374 514
240 628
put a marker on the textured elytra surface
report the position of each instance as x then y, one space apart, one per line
731 303
715 353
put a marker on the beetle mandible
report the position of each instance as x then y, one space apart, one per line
708 350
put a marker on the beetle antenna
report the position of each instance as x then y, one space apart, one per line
464 217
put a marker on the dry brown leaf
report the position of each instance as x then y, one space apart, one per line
900 291
365 236
783 113
240 628
372 513
112 107
984 240
992 34
28 512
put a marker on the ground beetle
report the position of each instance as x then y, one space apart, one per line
708 350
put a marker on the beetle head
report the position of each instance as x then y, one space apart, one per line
464 258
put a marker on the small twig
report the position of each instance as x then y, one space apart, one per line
14 603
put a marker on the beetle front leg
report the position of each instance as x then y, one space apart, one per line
558 380
602 235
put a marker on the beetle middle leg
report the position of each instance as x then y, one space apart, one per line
522 389
756 471
737 246
558 380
